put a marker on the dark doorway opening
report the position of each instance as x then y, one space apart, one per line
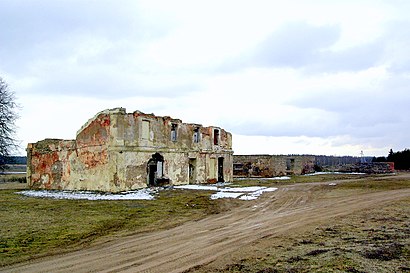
290 164
192 171
221 169
155 170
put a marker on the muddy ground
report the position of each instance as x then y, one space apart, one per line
316 227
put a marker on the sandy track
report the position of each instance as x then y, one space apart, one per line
200 242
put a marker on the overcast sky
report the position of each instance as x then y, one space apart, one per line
316 77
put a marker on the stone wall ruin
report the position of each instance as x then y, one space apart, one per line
272 165
118 151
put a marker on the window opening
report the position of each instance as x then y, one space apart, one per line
196 135
216 137
174 132
145 129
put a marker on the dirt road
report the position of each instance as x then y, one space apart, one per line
195 243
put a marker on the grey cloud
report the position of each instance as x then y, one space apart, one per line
380 112
104 84
45 40
310 126
354 59
372 113
33 30
40 20
397 40
302 46
294 45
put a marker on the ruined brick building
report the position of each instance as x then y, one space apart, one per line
272 165
117 151
279 165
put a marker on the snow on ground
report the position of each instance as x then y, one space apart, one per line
254 195
241 189
278 178
197 187
243 193
143 194
225 194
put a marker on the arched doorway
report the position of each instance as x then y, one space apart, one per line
155 169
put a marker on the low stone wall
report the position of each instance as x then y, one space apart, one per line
272 165
369 168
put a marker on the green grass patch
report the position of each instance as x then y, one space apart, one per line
34 227
7 178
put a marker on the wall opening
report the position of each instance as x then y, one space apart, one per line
155 168
216 136
145 129
221 169
290 164
174 132
196 135
192 171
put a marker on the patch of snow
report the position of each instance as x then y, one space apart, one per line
197 187
247 197
243 193
270 189
278 178
224 194
242 189
223 184
254 195
143 194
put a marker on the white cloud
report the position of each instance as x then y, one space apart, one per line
283 76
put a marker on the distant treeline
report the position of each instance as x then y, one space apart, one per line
326 160
18 160
401 159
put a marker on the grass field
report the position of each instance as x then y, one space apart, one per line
376 240
20 178
299 179
35 227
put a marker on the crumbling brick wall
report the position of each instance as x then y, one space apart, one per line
272 165
116 151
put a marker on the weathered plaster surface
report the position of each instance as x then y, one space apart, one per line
272 165
116 151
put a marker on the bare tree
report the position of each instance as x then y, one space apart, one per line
8 116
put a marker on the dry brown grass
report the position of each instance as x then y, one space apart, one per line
376 240
34 227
